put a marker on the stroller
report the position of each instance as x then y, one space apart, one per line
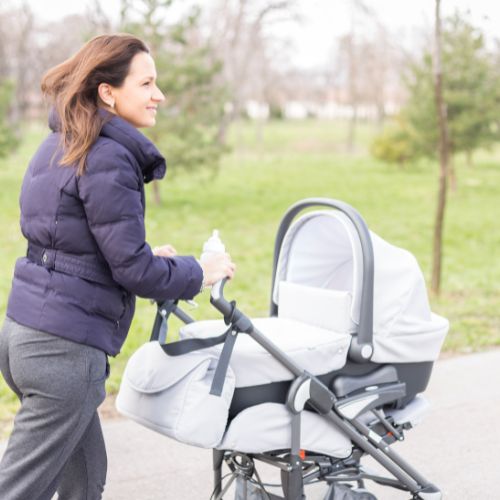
335 373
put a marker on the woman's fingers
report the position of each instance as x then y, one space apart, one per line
165 251
217 267
231 269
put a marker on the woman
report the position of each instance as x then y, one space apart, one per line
73 295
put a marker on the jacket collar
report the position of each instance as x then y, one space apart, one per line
152 163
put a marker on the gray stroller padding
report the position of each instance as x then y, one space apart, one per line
171 395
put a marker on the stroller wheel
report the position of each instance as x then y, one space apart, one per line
344 492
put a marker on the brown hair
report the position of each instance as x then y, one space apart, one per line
72 88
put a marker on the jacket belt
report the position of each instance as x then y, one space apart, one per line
71 264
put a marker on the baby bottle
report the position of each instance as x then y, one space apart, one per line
212 245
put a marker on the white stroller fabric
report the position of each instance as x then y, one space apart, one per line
321 249
327 309
316 350
318 292
267 427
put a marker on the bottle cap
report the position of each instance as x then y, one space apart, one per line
214 243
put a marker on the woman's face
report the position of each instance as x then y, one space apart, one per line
137 99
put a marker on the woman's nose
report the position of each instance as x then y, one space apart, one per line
158 95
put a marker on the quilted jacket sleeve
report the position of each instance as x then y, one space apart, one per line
110 191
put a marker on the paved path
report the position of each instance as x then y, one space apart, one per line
457 446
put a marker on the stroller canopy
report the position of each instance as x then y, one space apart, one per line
322 250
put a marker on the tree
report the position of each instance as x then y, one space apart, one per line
444 153
470 91
8 139
12 79
394 144
187 69
364 66
240 36
28 49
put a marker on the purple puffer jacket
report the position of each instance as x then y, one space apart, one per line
87 256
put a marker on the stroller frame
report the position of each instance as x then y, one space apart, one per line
344 408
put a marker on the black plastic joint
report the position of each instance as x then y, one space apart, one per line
240 321
360 352
430 488
322 399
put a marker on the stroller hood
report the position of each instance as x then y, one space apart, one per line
322 250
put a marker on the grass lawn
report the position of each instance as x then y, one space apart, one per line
261 178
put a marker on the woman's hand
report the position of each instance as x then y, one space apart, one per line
165 251
216 267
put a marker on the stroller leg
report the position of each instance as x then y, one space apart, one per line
292 481
217 457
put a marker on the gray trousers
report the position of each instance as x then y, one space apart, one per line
57 442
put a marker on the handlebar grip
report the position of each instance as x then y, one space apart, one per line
217 297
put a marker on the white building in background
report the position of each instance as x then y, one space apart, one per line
257 110
329 110
296 110
332 110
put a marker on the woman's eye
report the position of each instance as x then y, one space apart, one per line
146 84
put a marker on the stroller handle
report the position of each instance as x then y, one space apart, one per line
361 348
217 298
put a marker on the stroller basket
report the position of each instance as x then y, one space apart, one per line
333 375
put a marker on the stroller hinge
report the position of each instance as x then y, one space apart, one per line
238 320
308 389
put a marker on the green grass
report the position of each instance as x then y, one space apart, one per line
261 178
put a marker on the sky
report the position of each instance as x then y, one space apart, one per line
324 20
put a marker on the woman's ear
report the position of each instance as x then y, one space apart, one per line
105 92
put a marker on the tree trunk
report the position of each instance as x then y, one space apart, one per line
227 119
353 81
222 130
469 159
259 132
443 158
156 187
156 193
381 114
351 137
452 176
